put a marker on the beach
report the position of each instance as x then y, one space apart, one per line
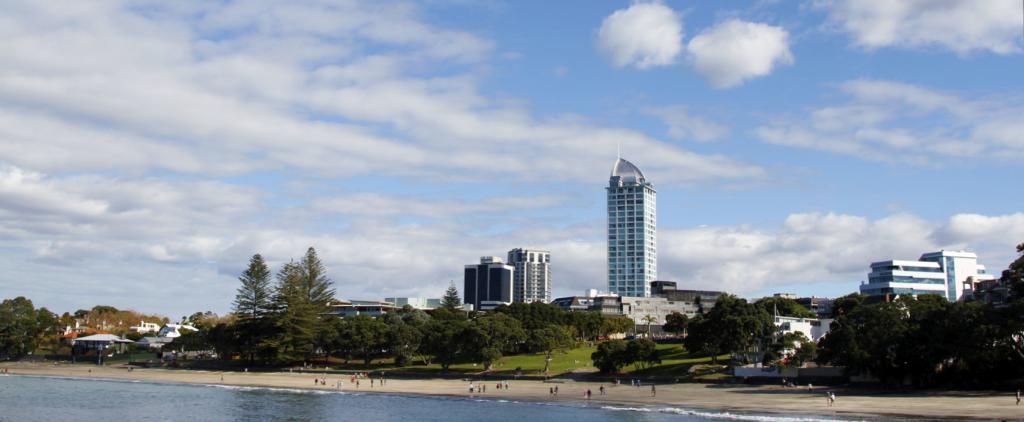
729 397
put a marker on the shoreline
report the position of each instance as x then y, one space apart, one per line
686 397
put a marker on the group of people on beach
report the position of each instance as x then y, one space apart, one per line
501 385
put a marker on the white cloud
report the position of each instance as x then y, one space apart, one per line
893 121
643 35
684 125
962 26
825 248
292 87
133 243
735 51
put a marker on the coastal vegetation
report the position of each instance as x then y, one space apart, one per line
285 318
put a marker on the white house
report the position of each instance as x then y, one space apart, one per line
174 330
146 327
812 328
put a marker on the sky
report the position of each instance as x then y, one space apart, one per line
149 148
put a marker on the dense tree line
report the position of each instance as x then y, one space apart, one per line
285 320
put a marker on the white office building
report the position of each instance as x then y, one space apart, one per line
531 280
942 273
632 237
421 303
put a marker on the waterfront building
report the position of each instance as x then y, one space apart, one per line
693 301
632 236
942 273
420 303
488 284
593 300
657 308
351 308
531 281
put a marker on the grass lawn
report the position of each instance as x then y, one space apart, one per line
675 361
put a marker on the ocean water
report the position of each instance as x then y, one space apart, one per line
27 398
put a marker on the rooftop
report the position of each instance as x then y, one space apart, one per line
627 172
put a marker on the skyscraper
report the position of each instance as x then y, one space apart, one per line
488 284
632 236
531 281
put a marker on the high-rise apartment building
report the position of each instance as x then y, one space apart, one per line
531 281
488 284
632 236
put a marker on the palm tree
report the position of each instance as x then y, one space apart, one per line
649 320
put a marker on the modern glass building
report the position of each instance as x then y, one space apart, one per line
488 284
940 273
531 281
632 236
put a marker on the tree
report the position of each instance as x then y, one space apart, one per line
649 319
643 353
789 350
1013 277
846 304
22 326
253 298
404 340
548 340
364 337
784 306
451 300
610 356
445 340
297 319
494 335
676 323
535 315
867 340
733 326
253 305
586 325
314 285
617 325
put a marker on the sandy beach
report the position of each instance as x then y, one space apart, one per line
743 398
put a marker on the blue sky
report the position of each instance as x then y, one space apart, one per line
148 149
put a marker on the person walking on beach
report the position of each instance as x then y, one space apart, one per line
831 399
1018 397
556 390
653 391
600 391
588 394
551 391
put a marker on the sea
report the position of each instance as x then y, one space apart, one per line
35 398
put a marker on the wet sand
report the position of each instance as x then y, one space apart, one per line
711 397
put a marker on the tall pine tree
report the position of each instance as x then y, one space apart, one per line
451 300
252 301
303 294
253 306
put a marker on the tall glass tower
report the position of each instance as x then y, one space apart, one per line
632 236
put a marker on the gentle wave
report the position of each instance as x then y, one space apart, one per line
276 389
721 415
